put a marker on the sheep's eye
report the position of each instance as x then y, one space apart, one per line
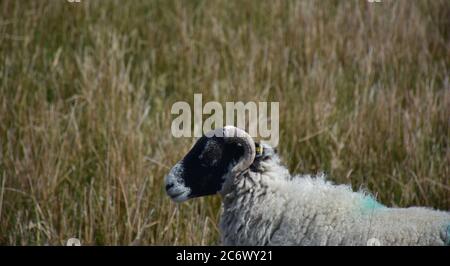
204 164
210 155
207 161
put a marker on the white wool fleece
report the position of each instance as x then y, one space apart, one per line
269 207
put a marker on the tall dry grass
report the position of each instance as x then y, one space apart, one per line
86 90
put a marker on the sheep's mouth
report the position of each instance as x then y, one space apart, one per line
178 192
179 196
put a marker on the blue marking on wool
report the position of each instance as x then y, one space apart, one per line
369 204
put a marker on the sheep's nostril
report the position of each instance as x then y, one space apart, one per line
168 186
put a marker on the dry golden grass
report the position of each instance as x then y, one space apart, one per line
86 91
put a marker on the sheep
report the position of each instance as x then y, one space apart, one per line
263 204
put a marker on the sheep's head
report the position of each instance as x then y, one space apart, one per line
219 155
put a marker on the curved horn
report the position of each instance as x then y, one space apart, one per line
240 137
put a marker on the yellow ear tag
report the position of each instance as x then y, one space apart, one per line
259 150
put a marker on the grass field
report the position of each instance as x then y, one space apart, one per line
86 90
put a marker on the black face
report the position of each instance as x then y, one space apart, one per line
203 169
